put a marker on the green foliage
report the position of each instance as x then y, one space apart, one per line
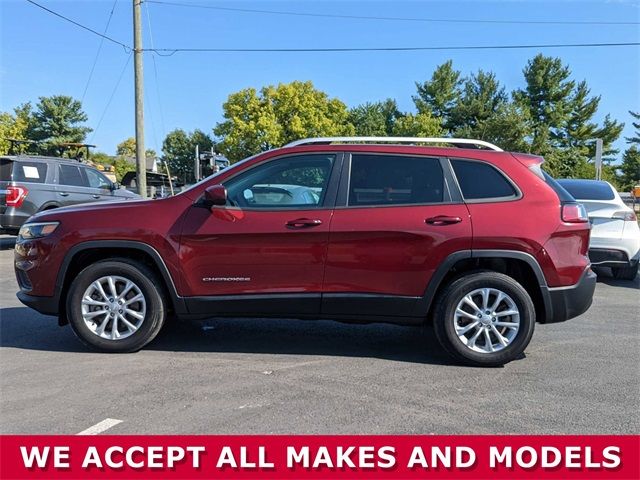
630 168
15 126
508 128
561 114
375 119
257 121
102 158
481 98
178 151
417 125
55 120
439 95
127 148
121 167
635 139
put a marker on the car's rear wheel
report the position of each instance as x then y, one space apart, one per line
484 319
625 273
116 306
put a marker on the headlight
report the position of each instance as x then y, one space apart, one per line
37 230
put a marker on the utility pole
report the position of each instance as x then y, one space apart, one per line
141 163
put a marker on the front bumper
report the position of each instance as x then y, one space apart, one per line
569 302
44 305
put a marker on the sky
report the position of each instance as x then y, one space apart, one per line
42 55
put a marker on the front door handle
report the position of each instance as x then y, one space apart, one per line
442 220
95 196
303 223
63 194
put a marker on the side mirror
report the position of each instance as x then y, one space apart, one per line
215 195
115 186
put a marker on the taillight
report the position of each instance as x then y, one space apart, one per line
625 215
15 196
574 213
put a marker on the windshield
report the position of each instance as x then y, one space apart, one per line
588 189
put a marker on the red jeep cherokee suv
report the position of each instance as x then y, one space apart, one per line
479 241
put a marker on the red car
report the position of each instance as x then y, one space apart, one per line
480 242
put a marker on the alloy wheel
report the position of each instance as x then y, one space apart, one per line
486 320
113 307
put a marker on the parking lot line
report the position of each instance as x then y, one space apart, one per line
100 427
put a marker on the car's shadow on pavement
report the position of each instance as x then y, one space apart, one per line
23 328
605 276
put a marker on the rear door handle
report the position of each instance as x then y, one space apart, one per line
303 223
63 194
442 220
95 196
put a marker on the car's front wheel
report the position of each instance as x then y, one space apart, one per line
116 306
484 319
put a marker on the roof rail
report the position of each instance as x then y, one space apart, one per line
452 141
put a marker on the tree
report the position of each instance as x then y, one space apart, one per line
57 119
258 121
127 148
481 98
507 128
417 125
14 126
547 98
121 167
636 137
439 95
630 168
561 114
178 151
375 119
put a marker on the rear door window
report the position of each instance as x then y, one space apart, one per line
72 175
34 172
481 181
395 180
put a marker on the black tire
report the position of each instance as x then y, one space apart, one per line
444 318
147 282
625 273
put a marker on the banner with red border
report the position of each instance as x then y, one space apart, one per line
320 456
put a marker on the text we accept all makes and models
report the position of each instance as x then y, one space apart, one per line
341 457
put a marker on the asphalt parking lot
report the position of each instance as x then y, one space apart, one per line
280 376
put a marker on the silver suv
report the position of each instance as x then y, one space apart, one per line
31 184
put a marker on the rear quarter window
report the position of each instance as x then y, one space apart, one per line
481 181
34 172
6 166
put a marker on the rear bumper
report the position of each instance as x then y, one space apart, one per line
610 257
11 223
44 305
569 302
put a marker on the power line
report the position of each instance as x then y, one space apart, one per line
95 60
126 47
399 19
115 89
170 51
